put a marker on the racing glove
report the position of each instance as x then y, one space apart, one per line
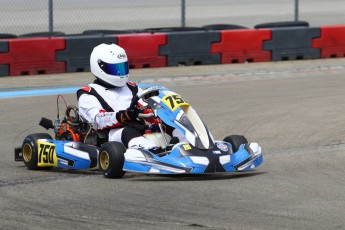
129 114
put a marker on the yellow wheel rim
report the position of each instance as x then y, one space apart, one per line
27 152
104 160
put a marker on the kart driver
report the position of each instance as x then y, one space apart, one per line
106 103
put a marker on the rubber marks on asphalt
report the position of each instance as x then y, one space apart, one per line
259 74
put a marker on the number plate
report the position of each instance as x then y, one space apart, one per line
46 154
173 101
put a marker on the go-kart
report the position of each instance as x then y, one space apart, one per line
77 145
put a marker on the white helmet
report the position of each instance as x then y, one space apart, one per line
109 63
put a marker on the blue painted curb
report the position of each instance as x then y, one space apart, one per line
13 92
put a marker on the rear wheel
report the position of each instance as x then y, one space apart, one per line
30 150
111 159
236 141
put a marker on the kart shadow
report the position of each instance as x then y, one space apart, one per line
193 177
66 171
75 171
158 177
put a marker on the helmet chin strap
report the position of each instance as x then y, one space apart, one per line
104 84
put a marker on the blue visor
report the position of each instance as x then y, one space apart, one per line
118 69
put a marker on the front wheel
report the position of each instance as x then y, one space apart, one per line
236 141
30 150
111 159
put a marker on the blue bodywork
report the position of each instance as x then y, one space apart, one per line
195 161
74 155
200 154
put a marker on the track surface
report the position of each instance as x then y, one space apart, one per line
295 110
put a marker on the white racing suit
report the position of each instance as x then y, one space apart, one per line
98 105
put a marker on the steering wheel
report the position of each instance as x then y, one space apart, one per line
145 94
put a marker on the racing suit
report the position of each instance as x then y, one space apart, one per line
99 104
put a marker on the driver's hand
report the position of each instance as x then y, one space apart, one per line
135 100
129 114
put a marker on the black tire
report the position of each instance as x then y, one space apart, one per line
223 27
104 32
236 141
42 34
111 159
8 36
173 29
282 24
30 150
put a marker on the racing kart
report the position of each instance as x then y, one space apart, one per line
77 145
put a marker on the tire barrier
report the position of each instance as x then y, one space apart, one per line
105 32
172 29
238 46
42 34
160 47
282 24
7 36
223 27
331 42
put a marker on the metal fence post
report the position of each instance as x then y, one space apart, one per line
296 10
50 8
183 13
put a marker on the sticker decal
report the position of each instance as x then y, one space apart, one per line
46 154
173 101
186 147
216 152
223 147
121 56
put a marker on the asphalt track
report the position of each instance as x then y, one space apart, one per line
295 110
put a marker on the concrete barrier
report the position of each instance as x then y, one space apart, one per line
238 46
292 43
331 42
77 52
29 56
191 48
40 55
143 49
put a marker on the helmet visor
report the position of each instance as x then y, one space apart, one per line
118 69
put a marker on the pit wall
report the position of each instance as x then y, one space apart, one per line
64 54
